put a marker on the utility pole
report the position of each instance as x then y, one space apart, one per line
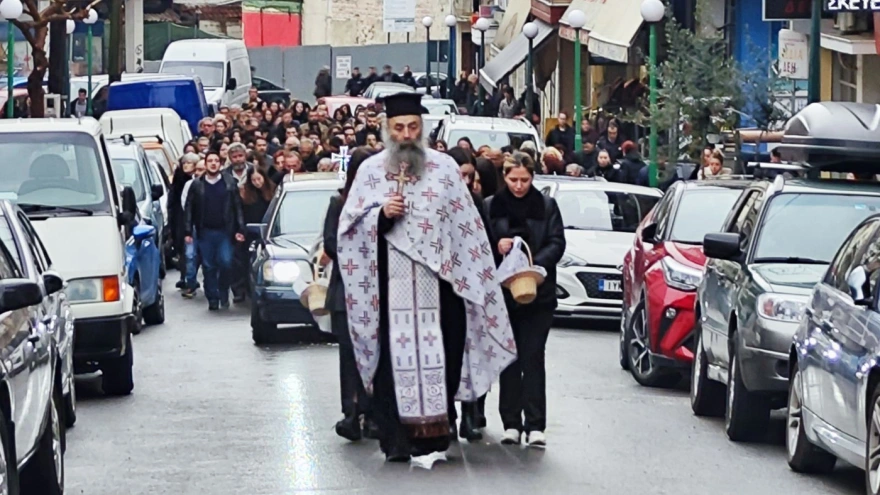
114 65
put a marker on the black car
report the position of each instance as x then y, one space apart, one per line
269 91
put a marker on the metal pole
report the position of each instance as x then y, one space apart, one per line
530 92
578 138
482 63
652 140
89 67
10 68
450 71
439 85
814 93
428 61
67 48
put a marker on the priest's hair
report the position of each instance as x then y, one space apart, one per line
411 152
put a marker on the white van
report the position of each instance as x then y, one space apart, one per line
58 172
222 65
148 123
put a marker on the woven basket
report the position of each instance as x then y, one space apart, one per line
315 296
523 287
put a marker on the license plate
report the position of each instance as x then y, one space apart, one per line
609 285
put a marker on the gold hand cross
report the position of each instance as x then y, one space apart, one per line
402 178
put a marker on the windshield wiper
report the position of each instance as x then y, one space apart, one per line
790 259
31 207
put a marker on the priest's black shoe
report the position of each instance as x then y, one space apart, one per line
468 430
397 455
371 429
349 429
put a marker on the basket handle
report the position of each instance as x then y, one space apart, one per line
528 250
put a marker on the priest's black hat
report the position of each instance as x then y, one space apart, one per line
403 104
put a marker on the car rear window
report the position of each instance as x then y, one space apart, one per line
701 212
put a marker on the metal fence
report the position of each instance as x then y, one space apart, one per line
295 68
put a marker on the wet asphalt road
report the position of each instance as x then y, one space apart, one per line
212 414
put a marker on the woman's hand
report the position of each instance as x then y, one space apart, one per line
504 246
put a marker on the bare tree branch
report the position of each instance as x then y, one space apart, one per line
25 31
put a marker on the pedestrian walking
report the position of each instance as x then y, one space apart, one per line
323 83
191 252
177 213
520 210
214 213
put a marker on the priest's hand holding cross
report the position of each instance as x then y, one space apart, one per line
394 208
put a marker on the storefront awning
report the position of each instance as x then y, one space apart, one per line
610 26
591 9
512 22
513 56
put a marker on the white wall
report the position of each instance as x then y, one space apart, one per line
359 22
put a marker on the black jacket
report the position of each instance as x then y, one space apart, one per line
611 173
176 211
563 137
233 217
631 165
390 77
323 84
355 85
542 230
335 290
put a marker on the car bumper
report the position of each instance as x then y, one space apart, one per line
281 306
764 356
671 316
578 293
101 338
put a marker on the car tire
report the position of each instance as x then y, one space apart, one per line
44 473
70 406
118 374
746 415
707 396
638 350
803 456
154 314
261 331
872 463
9 461
622 354
136 307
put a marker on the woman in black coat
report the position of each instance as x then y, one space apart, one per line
520 210
354 397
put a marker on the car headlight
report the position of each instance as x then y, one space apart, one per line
569 259
92 290
286 272
680 276
781 307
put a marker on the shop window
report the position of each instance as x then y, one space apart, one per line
846 77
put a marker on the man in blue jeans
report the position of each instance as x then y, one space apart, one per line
214 213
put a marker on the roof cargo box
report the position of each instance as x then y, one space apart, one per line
834 137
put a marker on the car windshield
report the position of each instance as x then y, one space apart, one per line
128 173
211 73
810 226
700 212
290 219
488 137
603 210
52 169
159 157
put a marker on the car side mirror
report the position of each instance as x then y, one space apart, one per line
156 192
17 293
721 245
257 230
52 282
231 84
649 233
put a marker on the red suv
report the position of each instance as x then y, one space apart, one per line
661 273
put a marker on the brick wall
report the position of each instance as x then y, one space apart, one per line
359 22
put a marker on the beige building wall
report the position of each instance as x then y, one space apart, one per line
359 22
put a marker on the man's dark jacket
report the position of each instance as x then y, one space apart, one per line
233 217
355 85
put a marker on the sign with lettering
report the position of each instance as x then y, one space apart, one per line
343 66
786 10
399 16
793 54
837 6
567 33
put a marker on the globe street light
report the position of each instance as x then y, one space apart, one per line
653 12
482 25
427 21
450 22
530 30
90 19
577 19
10 10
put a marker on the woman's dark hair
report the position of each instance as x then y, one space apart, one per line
251 193
488 177
461 155
467 140
358 156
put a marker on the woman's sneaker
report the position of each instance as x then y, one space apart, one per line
510 437
537 439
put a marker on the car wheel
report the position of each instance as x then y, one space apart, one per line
803 456
747 414
638 349
137 307
624 338
872 456
70 404
117 374
155 313
9 482
44 473
261 331
707 396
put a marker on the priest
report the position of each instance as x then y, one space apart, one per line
425 309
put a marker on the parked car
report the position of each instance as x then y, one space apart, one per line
32 426
143 260
775 245
491 131
422 80
600 220
280 261
32 258
269 91
155 125
666 262
382 89
161 153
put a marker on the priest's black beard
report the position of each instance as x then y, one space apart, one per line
411 152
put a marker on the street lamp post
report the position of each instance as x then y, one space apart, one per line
89 20
10 9
450 22
70 27
427 21
530 30
577 19
482 25
652 12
